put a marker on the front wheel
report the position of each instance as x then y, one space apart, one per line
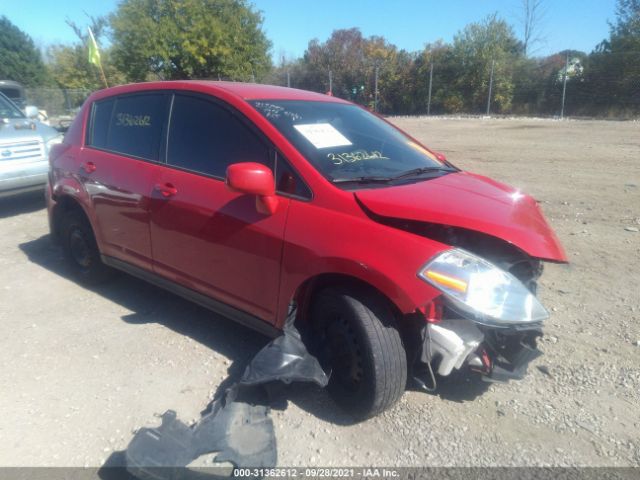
357 339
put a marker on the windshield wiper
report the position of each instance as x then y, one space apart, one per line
408 173
363 180
420 171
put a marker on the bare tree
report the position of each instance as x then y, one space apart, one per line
533 14
98 27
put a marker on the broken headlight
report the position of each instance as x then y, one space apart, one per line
476 286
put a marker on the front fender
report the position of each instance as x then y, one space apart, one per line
324 241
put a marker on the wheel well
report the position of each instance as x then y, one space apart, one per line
311 286
64 205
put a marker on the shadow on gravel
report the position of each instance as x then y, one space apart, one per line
21 203
461 386
151 304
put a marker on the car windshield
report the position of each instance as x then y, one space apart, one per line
347 144
8 109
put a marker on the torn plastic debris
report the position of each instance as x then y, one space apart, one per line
507 351
239 430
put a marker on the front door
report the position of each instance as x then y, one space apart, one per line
204 236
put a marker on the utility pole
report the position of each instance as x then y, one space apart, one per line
564 86
375 89
288 78
430 83
493 64
330 83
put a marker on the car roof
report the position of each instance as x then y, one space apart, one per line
10 83
245 91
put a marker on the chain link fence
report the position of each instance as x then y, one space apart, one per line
557 87
57 106
547 92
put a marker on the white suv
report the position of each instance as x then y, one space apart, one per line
24 149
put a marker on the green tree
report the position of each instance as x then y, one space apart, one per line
612 71
182 39
21 60
477 48
445 96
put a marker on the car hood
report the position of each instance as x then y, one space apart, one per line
21 129
472 202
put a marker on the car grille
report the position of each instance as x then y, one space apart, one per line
29 150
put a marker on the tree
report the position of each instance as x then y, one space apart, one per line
21 61
612 70
181 39
343 54
353 61
532 17
479 48
69 64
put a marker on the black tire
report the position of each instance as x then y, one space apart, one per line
81 250
355 336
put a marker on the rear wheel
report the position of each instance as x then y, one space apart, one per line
81 250
358 340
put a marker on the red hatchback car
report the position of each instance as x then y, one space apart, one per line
259 201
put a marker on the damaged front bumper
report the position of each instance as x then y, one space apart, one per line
499 354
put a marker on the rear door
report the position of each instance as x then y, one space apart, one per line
204 236
118 168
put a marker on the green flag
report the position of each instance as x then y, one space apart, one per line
94 53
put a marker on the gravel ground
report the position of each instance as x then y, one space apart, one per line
83 369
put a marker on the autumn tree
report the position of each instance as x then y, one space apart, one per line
182 39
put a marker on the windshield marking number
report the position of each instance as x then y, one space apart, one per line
341 158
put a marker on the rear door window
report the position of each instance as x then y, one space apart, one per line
131 125
102 111
205 137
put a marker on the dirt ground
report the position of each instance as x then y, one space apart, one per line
83 369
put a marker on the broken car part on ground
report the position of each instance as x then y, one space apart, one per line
237 426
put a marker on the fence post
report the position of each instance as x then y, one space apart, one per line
330 83
375 93
564 86
430 83
493 63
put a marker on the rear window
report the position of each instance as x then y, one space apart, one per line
101 117
130 125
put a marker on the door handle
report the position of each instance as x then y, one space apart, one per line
89 167
166 189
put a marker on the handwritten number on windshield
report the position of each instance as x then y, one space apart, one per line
358 156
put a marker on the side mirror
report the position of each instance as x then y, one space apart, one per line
254 179
31 112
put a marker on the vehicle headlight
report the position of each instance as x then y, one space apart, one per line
50 143
491 295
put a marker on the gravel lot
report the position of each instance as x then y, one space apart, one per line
82 369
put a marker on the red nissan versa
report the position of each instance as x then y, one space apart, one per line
253 199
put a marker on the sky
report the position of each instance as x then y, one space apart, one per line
409 24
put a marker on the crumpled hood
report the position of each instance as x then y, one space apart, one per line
473 202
